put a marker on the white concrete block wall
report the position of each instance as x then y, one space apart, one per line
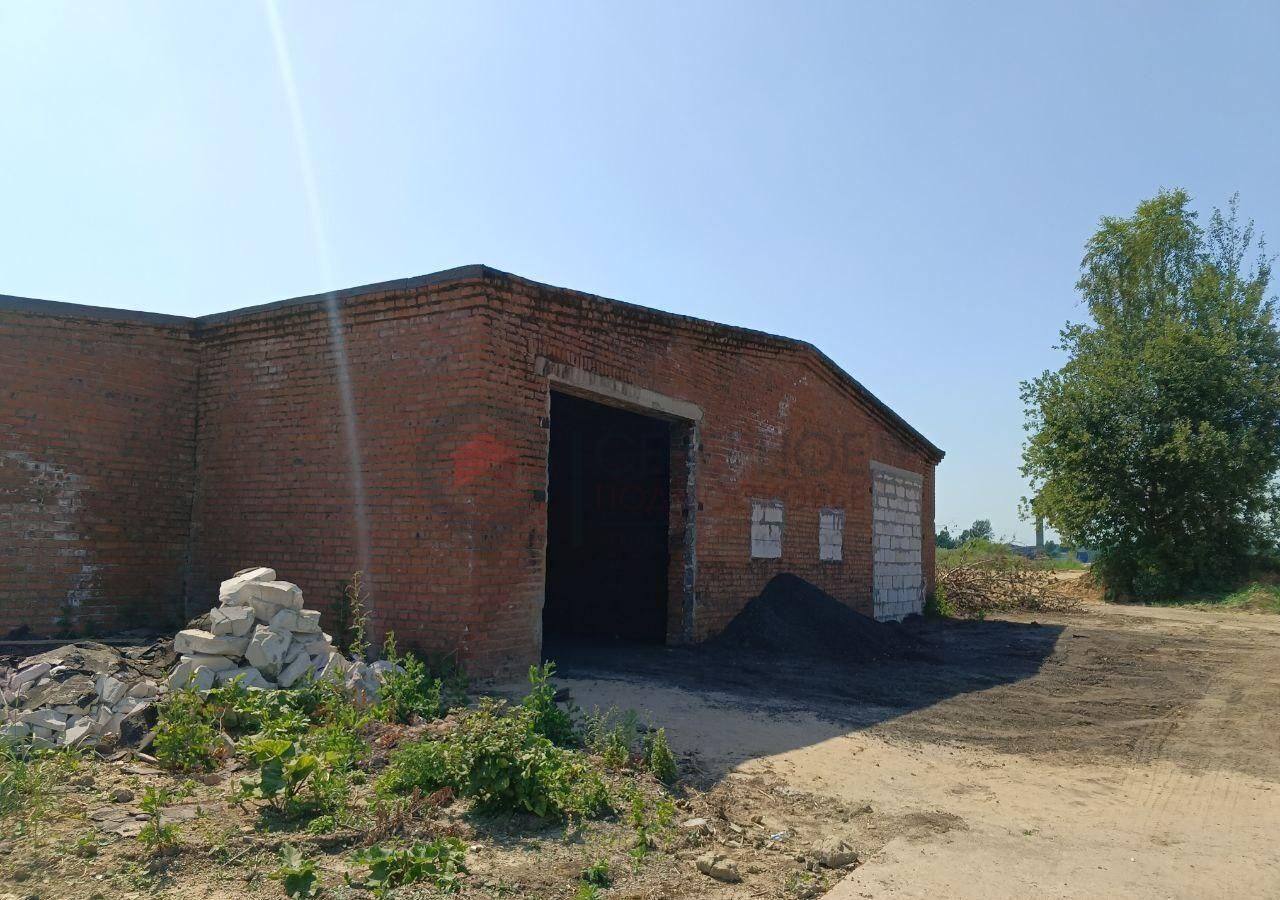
766 529
831 534
896 536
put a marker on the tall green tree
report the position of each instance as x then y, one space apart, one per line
980 530
1158 441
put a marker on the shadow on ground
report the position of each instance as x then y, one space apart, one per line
785 702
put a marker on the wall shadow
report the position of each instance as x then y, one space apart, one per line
809 700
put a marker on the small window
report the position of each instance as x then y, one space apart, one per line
830 534
766 529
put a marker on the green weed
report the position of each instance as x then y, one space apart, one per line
408 690
659 759
186 737
156 836
296 874
497 758
439 862
549 720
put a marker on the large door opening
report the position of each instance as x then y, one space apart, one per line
608 510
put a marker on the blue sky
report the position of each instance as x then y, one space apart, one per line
908 186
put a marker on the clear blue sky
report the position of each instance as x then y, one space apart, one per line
909 186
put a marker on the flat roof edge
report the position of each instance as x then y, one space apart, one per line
472 272
61 310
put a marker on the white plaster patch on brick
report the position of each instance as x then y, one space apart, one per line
766 529
594 386
831 534
85 587
734 455
898 573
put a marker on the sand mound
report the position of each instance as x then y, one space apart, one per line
792 617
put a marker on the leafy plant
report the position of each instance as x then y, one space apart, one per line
285 767
186 737
297 874
157 836
1158 441
659 758
549 720
439 862
241 711
498 759
408 689
597 874
664 810
617 749
426 765
587 891
936 605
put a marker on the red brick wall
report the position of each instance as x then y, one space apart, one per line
276 486
97 434
451 420
777 424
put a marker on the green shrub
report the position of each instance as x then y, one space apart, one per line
186 737
617 749
241 711
408 689
549 720
439 862
659 758
427 765
297 874
327 703
936 605
341 746
285 769
498 759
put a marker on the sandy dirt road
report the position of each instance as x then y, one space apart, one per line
1114 753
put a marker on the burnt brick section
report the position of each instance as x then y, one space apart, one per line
143 459
97 441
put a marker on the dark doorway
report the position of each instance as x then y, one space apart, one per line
607 518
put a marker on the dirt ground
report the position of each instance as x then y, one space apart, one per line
1119 752
1114 752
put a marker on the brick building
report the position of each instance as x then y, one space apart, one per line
501 457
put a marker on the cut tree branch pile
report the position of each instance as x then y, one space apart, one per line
986 586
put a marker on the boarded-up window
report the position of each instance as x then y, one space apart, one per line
766 529
898 540
830 534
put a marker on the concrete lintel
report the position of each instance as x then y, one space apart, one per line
886 469
581 382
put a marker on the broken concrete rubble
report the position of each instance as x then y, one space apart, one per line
88 694
720 867
77 695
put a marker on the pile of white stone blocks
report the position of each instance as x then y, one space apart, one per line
75 696
261 634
